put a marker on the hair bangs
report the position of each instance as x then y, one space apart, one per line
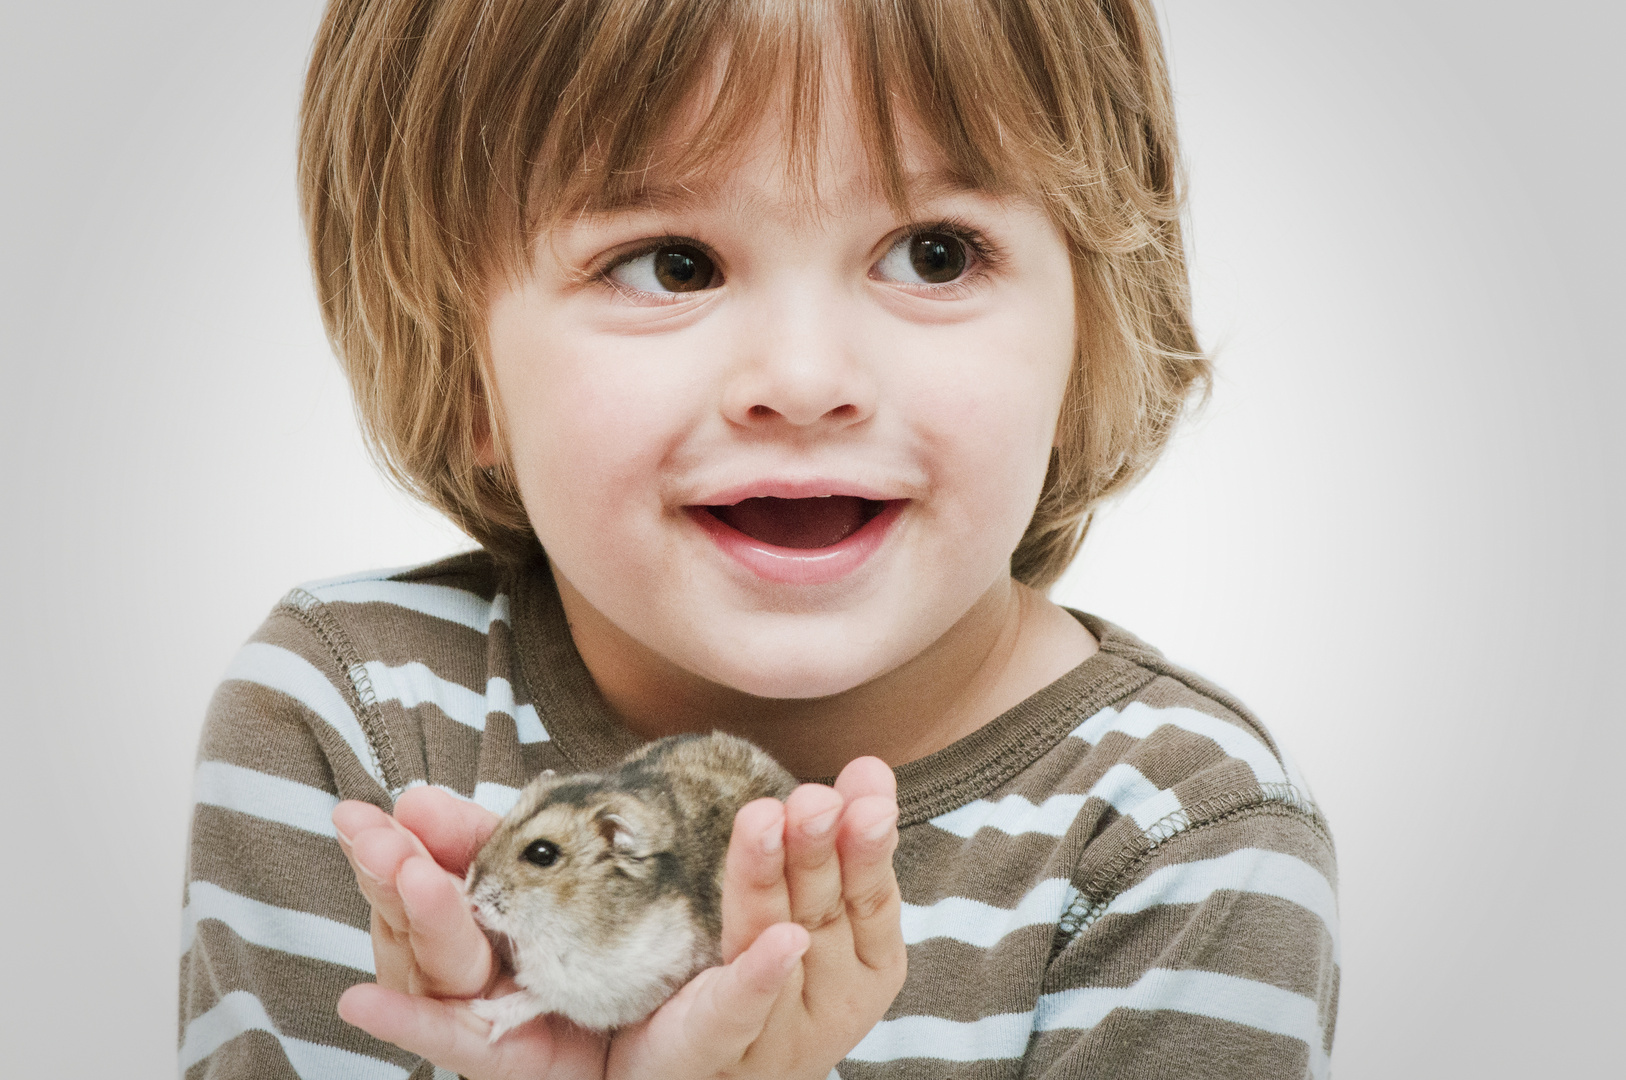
666 93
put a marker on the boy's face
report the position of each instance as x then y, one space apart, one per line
785 446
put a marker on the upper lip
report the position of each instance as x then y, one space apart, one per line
793 488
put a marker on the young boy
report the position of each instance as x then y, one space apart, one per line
776 354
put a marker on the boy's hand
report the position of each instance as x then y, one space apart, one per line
430 955
812 945
425 940
832 877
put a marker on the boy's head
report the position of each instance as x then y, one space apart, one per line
442 138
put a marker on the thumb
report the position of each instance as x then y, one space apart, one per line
714 1020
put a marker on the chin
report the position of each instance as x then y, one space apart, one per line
797 684
797 666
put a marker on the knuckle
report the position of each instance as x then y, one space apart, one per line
822 914
873 902
811 857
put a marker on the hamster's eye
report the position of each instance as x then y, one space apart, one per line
540 853
928 258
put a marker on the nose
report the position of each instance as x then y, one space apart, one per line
798 365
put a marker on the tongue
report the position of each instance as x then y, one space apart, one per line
797 523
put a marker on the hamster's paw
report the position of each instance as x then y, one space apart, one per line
505 1013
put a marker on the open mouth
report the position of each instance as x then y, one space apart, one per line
800 524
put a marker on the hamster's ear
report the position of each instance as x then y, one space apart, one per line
617 832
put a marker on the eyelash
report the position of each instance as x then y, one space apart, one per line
987 256
601 275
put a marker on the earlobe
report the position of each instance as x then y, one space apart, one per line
485 450
483 429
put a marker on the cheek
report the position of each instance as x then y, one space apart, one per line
988 407
589 421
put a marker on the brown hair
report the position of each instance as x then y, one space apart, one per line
439 136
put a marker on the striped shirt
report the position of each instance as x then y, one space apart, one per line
1121 876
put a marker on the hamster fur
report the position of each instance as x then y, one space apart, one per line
606 888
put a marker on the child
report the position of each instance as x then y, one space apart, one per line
776 354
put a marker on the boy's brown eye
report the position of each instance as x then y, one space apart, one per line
683 268
674 267
937 257
925 258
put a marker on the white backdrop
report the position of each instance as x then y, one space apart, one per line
1392 530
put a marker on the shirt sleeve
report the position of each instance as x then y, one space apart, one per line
274 928
1217 958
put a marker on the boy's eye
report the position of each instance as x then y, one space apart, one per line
928 258
668 268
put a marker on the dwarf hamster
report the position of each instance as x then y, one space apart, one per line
605 889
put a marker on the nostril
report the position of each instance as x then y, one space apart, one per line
761 411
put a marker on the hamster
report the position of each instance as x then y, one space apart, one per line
605 889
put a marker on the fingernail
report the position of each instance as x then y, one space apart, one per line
773 840
344 837
821 824
369 875
881 828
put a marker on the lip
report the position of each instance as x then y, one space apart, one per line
786 488
798 566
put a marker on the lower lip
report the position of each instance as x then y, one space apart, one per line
801 566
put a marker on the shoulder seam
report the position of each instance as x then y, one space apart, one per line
1123 644
1092 900
1225 700
310 611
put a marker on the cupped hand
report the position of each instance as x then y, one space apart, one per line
820 863
431 956
812 947
410 868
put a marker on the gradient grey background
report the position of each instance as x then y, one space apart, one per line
1393 530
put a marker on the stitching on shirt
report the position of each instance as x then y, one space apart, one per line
1091 902
1027 749
310 611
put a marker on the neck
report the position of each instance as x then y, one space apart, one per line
1012 643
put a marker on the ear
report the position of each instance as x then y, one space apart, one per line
483 424
485 444
618 832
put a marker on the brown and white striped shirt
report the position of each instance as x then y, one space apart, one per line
1122 876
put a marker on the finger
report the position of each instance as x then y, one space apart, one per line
448 1033
732 1006
452 830
869 886
812 872
754 895
376 856
866 776
712 1023
351 817
453 954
